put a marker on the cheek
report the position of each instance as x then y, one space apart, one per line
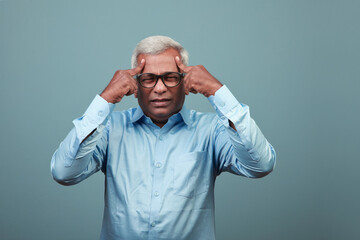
141 96
141 92
180 94
181 90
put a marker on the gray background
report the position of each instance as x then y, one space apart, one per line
295 63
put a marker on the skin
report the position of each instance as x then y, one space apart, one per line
198 79
122 84
160 103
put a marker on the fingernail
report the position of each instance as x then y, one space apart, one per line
142 60
177 58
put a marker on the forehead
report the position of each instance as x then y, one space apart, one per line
160 63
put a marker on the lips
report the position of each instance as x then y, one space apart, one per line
160 102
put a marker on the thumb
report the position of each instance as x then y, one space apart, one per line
138 69
180 64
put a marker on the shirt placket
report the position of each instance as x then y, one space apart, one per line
158 178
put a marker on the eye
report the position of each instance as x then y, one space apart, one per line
147 78
172 77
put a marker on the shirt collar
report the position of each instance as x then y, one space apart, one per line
184 113
137 114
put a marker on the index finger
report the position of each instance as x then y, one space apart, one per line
138 69
180 64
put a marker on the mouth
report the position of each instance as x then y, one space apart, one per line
160 102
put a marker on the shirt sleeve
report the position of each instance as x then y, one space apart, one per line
245 151
76 158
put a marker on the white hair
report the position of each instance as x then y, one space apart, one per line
156 45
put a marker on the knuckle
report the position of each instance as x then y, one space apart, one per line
200 67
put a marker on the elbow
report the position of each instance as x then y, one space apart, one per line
268 166
60 175
259 173
264 172
61 178
264 168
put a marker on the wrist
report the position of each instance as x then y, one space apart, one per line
216 86
110 99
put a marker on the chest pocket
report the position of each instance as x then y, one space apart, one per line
190 177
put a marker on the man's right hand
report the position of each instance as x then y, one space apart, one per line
122 84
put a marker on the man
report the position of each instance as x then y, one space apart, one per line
161 159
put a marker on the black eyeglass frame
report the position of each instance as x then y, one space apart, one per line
161 76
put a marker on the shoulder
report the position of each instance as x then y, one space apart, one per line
124 113
121 117
208 122
203 119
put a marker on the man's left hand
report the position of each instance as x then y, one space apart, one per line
198 80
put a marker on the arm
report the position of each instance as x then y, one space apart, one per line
83 152
240 147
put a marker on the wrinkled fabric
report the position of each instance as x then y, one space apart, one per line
159 182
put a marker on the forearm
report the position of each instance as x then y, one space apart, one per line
81 152
254 156
73 162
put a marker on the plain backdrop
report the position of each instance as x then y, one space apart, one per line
295 63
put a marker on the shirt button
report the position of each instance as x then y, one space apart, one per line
153 224
161 138
100 113
158 165
156 194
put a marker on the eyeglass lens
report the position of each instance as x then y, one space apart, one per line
170 79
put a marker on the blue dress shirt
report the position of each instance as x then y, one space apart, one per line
160 181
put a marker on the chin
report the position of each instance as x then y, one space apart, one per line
161 114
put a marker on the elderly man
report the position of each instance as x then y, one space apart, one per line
160 159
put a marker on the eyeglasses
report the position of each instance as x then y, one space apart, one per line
170 79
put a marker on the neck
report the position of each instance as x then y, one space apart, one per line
160 124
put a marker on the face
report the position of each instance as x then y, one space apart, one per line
160 103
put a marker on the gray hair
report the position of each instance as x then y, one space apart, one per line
156 45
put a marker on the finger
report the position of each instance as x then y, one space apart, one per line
180 64
193 91
138 69
189 86
131 86
186 91
187 81
131 90
134 87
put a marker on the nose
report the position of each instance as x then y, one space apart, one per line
160 86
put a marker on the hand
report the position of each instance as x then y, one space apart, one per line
122 84
198 79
